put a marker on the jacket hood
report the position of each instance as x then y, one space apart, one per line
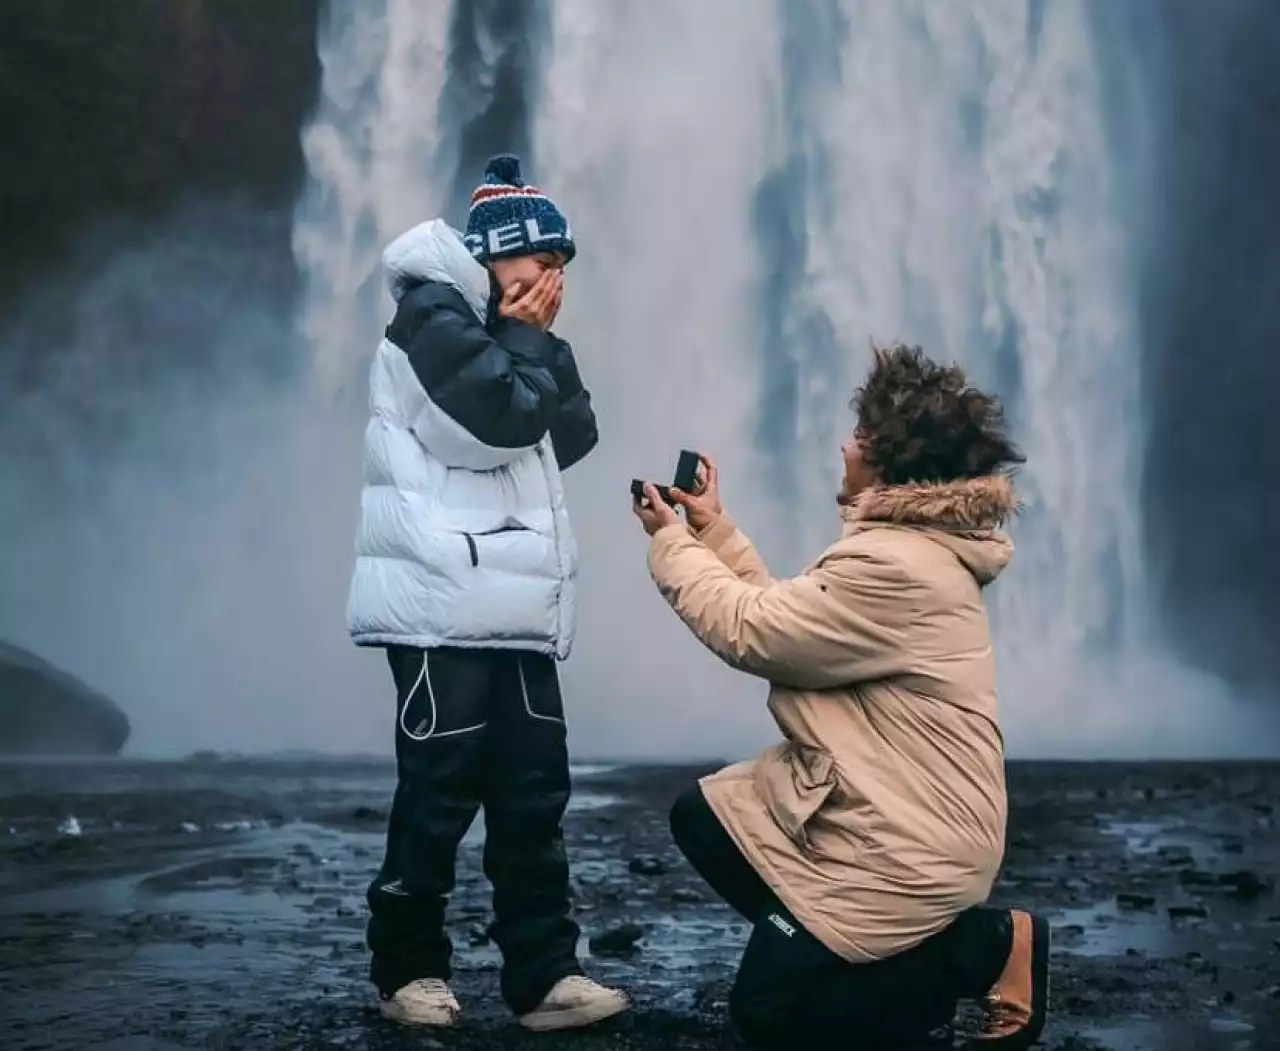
965 517
433 251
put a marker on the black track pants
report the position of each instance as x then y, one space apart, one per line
476 728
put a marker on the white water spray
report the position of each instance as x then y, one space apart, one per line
369 151
973 213
651 134
969 207
974 208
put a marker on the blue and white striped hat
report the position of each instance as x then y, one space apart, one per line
509 217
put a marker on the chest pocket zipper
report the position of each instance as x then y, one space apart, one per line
474 549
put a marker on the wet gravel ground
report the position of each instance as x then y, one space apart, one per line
219 904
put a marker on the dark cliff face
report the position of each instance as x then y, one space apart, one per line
123 109
151 162
46 711
1212 337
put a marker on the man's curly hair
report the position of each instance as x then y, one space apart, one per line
919 421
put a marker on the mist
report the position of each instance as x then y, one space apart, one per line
181 478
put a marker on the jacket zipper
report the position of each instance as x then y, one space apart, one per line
471 546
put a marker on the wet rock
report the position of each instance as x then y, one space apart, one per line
616 941
1245 884
648 865
477 935
356 819
1175 856
47 711
1133 900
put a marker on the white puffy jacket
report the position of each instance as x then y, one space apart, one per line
464 539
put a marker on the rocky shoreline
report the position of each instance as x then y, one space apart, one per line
220 905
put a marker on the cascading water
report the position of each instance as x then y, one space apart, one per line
944 176
370 150
947 179
758 189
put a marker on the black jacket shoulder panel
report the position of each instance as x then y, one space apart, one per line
496 382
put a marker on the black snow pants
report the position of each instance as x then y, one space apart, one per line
476 728
792 991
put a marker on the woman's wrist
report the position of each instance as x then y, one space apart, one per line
703 524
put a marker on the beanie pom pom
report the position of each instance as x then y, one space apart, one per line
504 168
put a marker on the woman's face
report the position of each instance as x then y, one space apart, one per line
518 274
858 474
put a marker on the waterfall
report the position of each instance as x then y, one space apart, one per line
758 189
944 178
370 150
652 134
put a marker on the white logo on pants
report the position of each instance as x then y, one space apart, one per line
781 924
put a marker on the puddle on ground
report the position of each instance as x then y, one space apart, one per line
1104 929
1133 1035
1145 838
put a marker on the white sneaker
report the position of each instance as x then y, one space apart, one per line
574 1002
426 1001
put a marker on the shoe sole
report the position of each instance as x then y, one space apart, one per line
391 1014
573 1017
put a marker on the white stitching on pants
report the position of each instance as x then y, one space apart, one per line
524 692
424 676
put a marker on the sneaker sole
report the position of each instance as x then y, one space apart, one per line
573 1017
394 1014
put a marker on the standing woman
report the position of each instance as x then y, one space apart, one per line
863 845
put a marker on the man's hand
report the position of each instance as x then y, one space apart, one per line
653 511
539 305
702 507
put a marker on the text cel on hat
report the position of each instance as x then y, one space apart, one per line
508 217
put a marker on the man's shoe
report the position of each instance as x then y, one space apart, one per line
424 1002
1016 1006
575 1002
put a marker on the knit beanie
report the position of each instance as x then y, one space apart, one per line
509 217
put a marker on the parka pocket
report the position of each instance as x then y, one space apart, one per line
476 541
795 783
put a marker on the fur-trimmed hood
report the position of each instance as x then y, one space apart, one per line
964 516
